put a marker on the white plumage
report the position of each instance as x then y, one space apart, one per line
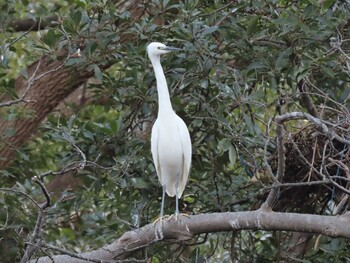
170 141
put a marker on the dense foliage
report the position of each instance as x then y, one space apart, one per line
243 63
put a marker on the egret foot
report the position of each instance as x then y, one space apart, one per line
176 215
160 219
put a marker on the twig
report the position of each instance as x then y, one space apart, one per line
334 182
30 249
71 254
45 192
268 204
24 94
299 184
14 41
336 44
340 177
6 221
318 122
304 160
266 163
88 259
22 193
31 81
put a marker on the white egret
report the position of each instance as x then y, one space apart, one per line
170 140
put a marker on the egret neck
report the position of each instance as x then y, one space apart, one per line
164 103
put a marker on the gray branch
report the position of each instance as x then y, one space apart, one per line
188 227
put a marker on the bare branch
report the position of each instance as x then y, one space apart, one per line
321 126
31 81
22 193
189 226
45 192
31 249
278 185
24 94
281 163
305 98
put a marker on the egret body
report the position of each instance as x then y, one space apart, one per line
170 140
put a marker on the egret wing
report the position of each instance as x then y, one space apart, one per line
154 149
187 153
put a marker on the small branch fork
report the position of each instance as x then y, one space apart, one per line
34 241
31 81
321 127
188 227
32 244
264 219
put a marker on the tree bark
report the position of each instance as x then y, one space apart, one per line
186 228
56 83
31 25
48 83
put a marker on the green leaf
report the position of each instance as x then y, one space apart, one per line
327 3
88 134
51 38
76 17
256 65
328 71
209 30
232 155
81 3
253 25
9 132
67 233
283 59
224 145
98 73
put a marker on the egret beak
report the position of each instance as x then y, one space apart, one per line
172 49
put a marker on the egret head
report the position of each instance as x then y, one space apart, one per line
157 49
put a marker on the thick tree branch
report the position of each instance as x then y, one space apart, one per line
28 24
49 84
319 123
188 227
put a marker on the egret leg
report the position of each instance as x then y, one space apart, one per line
177 205
162 205
177 197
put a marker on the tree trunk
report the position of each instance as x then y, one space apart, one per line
51 83
48 83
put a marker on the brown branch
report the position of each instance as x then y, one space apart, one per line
188 227
28 24
305 98
52 84
27 89
281 163
320 126
31 249
13 190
